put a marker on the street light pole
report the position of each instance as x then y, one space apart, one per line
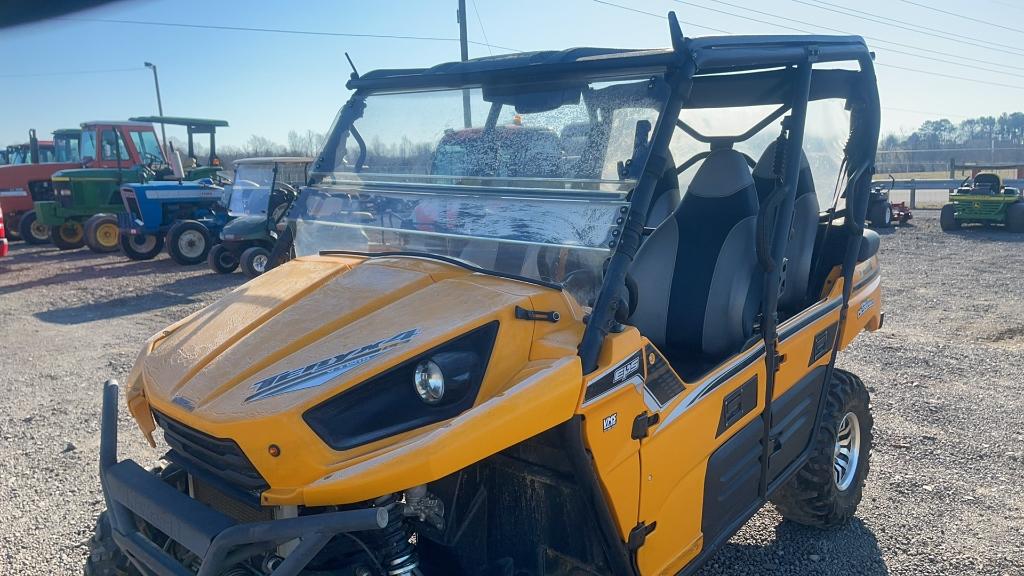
159 104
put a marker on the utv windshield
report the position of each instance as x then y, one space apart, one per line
250 190
526 182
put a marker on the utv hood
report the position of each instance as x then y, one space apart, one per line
217 364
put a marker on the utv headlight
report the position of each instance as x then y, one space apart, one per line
432 387
429 381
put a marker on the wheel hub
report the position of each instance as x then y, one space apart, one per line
191 243
259 263
39 230
846 455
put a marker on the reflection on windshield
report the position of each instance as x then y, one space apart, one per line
557 240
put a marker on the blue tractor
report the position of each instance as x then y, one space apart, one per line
188 216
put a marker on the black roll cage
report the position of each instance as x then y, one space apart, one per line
711 72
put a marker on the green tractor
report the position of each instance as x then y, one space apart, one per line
86 200
984 200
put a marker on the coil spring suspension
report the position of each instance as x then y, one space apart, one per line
397 554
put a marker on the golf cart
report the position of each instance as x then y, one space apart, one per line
186 211
27 179
984 200
523 381
261 194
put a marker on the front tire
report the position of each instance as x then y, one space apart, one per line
825 492
105 558
32 230
255 260
221 260
189 242
947 218
102 234
68 236
141 246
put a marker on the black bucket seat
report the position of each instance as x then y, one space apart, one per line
697 276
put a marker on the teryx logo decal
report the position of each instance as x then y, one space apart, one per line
327 369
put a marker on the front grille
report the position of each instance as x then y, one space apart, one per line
228 504
219 457
132 204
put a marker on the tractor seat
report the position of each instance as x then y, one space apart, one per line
698 280
797 272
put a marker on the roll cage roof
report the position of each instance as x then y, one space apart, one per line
715 61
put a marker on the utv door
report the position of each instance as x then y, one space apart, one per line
701 462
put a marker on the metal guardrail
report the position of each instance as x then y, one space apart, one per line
914 185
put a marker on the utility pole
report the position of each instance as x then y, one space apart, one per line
159 105
467 115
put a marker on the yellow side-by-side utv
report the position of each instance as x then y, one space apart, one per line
509 342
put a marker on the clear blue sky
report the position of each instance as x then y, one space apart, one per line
268 84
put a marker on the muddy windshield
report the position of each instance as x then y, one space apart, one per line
526 183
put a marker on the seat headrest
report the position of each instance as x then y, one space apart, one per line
763 171
723 173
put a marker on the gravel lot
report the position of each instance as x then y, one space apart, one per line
944 497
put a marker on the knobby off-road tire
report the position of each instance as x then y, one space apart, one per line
813 495
105 558
1015 217
947 218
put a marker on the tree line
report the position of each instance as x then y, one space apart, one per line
935 143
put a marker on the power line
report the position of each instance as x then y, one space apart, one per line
923 112
917 29
952 76
660 16
962 16
834 30
482 31
282 31
71 72
885 41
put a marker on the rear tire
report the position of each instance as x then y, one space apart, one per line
221 260
880 215
825 492
105 558
141 246
255 260
33 231
68 236
1015 217
101 233
947 218
189 242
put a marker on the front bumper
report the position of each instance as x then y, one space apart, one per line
133 494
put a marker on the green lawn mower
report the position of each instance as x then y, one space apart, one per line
984 200
263 191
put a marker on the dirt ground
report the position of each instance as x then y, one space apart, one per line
944 494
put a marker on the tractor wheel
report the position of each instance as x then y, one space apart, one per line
141 246
105 558
68 236
825 492
880 215
188 242
221 260
101 233
32 230
1015 217
254 261
947 218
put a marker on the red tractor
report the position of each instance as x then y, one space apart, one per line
26 178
